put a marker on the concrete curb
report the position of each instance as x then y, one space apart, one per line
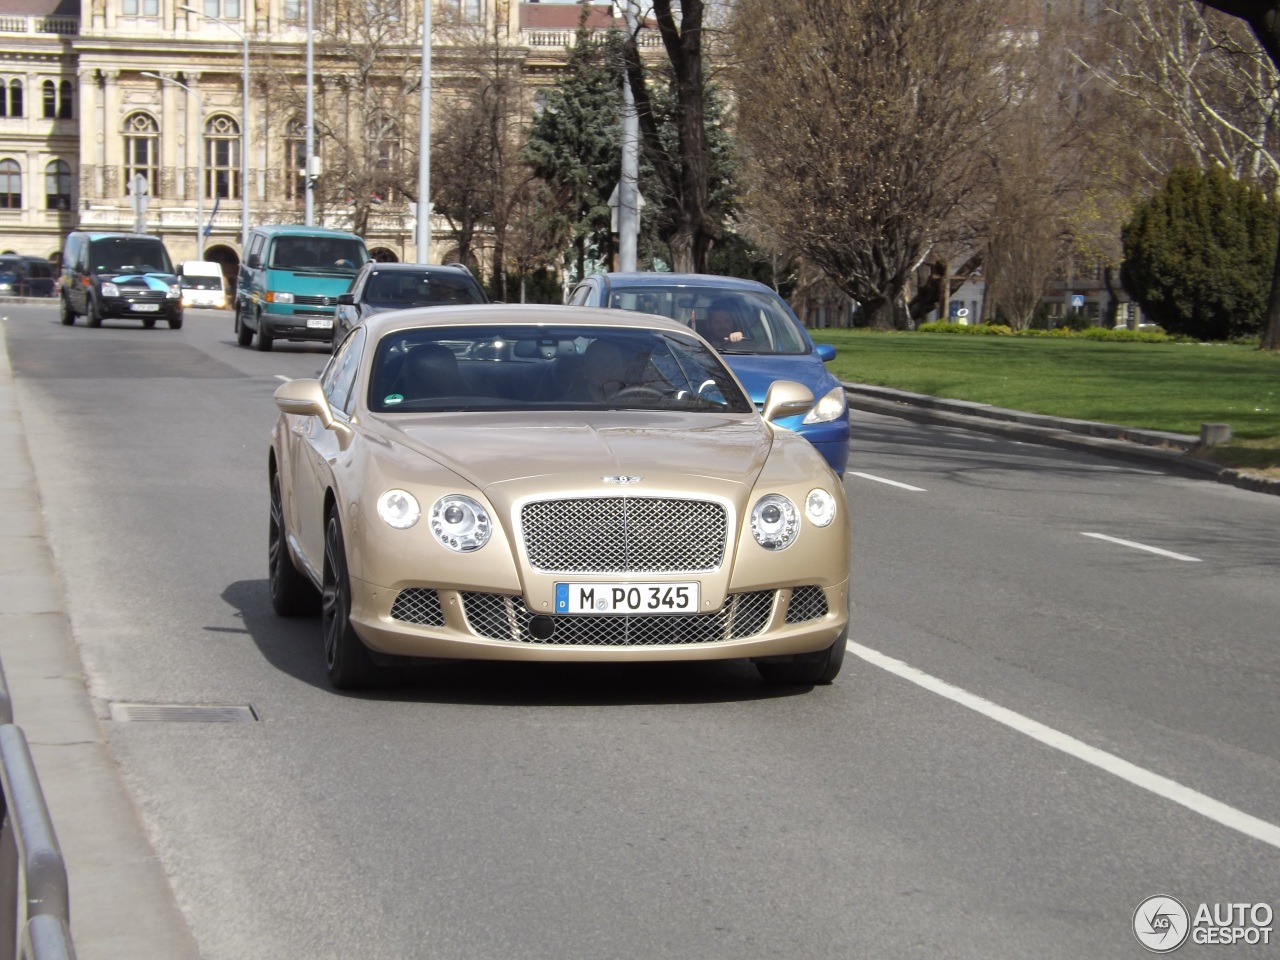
1172 451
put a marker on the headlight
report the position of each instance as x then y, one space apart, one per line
774 522
830 407
110 290
175 292
460 523
399 509
279 296
820 507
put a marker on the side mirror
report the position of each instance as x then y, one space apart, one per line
346 299
826 352
305 398
254 262
785 398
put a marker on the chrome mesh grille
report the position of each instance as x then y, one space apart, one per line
624 535
420 606
501 617
807 603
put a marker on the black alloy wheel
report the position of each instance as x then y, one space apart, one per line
292 594
346 658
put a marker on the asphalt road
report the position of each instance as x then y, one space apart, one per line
1041 728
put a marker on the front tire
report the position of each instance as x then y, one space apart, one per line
175 323
346 658
148 323
244 335
264 341
808 669
95 313
65 313
292 594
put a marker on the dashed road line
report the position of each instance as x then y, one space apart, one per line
1193 800
892 483
1142 546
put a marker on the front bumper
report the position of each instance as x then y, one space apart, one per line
297 326
455 624
139 308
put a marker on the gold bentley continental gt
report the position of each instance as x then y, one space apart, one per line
552 483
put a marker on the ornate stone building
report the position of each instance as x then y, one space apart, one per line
107 94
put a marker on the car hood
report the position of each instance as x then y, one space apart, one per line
758 372
556 451
151 281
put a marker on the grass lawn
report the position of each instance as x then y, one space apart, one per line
1161 386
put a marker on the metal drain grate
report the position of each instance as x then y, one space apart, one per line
182 713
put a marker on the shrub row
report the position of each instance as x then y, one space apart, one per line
1061 333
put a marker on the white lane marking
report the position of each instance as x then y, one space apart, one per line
1193 800
1142 546
281 376
892 483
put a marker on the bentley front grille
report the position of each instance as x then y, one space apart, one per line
418 606
501 617
632 535
807 603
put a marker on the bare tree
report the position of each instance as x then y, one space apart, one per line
863 122
684 166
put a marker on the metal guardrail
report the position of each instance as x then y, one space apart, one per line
35 909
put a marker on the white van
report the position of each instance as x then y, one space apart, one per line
202 284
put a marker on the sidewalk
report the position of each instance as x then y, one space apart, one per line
122 907
1171 451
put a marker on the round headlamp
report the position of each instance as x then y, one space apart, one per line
774 522
399 509
460 523
820 507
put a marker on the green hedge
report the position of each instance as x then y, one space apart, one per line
1059 333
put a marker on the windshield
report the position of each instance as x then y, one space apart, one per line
734 321
406 288
129 255
548 367
342 255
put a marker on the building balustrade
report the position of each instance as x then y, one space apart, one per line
32 24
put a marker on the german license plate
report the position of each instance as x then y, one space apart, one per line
319 323
627 597
145 307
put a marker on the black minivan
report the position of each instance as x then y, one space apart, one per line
22 276
118 275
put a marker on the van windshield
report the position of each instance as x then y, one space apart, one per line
129 255
340 255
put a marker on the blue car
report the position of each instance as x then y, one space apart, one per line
755 331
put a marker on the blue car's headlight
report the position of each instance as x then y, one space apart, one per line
831 407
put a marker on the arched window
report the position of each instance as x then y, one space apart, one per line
11 105
141 149
64 100
57 185
50 99
10 185
295 160
222 157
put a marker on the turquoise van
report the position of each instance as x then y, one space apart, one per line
289 283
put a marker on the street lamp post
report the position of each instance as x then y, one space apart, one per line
199 159
244 127
423 239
